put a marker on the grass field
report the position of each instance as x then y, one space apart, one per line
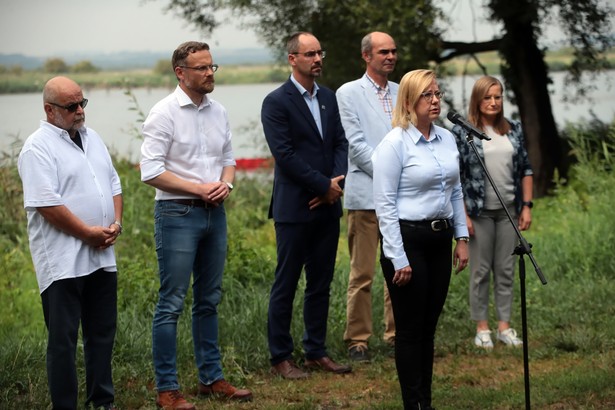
571 336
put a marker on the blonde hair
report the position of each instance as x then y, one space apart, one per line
479 91
411 87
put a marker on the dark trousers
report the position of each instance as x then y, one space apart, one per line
417 307
313 246
92 301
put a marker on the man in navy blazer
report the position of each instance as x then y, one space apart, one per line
303 130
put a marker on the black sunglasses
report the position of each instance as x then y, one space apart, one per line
72 107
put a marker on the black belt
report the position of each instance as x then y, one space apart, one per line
199 203
435 225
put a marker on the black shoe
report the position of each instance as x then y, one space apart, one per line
359 353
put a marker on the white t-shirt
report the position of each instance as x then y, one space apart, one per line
499 162
55 171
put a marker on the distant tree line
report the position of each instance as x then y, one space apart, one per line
57 65
13 69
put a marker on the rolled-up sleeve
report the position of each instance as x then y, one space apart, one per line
157 137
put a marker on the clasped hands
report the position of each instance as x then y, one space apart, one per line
333 194
215 193
101 238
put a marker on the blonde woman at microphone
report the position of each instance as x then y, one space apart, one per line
492 238
419 205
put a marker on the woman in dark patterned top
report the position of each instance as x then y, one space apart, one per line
493 239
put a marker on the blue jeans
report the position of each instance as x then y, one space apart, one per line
189 240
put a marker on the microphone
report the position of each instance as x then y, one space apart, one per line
456 118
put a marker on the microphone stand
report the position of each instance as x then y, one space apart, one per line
523 248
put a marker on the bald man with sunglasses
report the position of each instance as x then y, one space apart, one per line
73 200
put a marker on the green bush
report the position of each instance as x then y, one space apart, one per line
55 66
84 66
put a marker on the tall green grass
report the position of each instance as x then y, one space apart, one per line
569 319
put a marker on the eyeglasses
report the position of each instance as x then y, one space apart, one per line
312 54
72 107
386 52
203 68
428 96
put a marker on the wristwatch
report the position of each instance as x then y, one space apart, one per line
529 204
463 239
118 224
229 185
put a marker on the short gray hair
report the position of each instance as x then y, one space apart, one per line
366 44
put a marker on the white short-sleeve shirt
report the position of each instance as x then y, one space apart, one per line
55 171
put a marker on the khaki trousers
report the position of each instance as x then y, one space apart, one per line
363 238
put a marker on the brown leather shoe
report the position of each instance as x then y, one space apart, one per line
173 400
326 364
222 388
288 370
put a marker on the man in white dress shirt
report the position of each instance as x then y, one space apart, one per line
73 199
187 156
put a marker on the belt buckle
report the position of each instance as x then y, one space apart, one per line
435 225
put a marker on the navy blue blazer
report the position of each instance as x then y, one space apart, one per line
304 162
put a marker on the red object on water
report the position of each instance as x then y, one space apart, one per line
252 164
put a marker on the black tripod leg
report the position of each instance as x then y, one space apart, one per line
526 366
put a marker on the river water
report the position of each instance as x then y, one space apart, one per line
116 116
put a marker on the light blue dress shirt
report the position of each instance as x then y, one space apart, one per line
416 180
311 101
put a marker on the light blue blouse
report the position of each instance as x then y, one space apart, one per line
415 180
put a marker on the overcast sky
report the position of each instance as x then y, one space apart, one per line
45 28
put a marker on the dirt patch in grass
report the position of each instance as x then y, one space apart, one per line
457 378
